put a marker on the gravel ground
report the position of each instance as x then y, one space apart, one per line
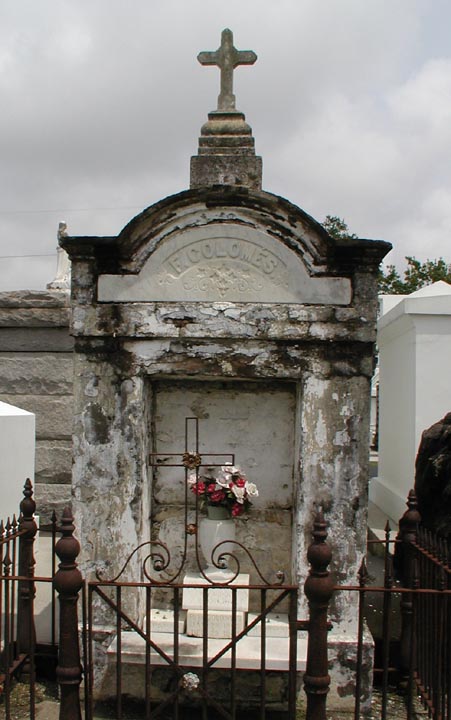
47 708
45 695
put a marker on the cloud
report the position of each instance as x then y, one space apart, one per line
102 106
424 101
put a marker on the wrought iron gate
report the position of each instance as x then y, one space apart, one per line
171 670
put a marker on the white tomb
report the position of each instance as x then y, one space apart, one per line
17 452
414 339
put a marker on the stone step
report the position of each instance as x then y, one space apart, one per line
248 651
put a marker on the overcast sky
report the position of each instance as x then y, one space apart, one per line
102 103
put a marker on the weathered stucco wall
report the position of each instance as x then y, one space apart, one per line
109 472
126 345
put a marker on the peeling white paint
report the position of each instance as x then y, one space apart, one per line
347 410
341 438
315 387
147 349
321 430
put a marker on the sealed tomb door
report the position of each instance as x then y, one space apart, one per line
255 421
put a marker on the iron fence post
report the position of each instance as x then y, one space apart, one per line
319 590
27 591
408 530
68 582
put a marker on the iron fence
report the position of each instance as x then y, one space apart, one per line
412 656
413 650
19 647
169 671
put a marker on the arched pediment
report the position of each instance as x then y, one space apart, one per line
235 246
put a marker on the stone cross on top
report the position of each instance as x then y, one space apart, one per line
227 58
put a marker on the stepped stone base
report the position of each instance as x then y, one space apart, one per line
219 623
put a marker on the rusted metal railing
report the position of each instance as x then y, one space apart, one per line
26 636
68 583
17 592
319 589
416 657
407 536
431 622
413 654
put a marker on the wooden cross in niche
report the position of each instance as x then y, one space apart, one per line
227 58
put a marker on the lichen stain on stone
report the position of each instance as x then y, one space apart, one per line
345 690
97 429
227 367
91 387
198 409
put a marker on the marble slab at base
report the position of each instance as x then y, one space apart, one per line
219 598
219 623
163 621
276 625
248 651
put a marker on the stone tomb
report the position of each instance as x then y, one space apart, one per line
283 385
232 305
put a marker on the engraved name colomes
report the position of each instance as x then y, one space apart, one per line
224 253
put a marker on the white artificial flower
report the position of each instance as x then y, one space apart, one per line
239 494
251 489
223 480
192 479
230 469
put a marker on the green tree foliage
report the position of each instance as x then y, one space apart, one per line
416 275
337 228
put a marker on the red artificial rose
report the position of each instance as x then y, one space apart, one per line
217 496
240 482
237 510
198 488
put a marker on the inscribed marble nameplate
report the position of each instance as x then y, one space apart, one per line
223 262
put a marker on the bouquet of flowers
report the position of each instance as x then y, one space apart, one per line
229 489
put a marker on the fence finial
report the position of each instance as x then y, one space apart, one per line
27 591
405 564
67 582
319 590
411 519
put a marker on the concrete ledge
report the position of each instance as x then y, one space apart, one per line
34 299
248 651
